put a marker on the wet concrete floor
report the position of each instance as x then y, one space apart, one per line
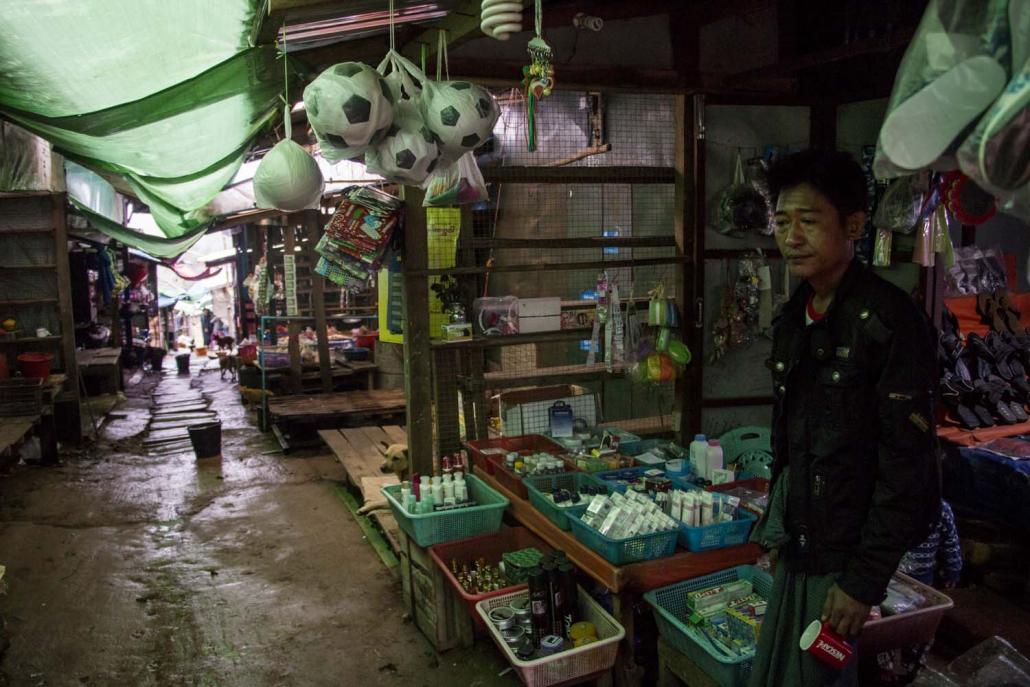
139 565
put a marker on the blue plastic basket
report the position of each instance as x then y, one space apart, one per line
614 478
671 612
427 529
644 547
539 486
718 535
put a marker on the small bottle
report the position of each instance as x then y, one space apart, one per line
713 458
570 597
706 508
697 452
539 602
448 489
437 491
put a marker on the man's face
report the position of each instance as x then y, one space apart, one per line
811 236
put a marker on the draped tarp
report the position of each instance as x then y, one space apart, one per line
167 95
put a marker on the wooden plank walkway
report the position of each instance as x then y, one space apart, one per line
360 451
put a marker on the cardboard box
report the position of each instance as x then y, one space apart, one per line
539 315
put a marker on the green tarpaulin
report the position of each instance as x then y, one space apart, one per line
169 95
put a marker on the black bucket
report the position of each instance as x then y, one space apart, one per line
206 439
183 361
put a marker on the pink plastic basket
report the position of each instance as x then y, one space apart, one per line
906 629
571 664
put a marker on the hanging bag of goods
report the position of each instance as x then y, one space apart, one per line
408 152
288 178
742 208
357 237
350 109
956 66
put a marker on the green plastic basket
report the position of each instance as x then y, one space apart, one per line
644 547
538 487
435 528
671 612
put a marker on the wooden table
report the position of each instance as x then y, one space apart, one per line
338 370
103 364
626 582
293 418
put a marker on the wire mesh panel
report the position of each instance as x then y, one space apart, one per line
593 202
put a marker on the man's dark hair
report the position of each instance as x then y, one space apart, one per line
833 173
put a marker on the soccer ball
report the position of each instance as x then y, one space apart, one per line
350 107
461 116
408 153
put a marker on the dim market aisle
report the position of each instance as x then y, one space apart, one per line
130 567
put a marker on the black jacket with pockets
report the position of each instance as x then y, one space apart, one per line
854 419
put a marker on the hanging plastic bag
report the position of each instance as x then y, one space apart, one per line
456 183
350 108
902 204
742 209
956 66
288 178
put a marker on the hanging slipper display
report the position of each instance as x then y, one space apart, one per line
955 67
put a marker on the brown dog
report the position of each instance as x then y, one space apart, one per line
395 460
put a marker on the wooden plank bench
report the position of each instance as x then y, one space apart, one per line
297 417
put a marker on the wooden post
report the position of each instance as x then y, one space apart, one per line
312 224
292 326
418 380
690 229
64 295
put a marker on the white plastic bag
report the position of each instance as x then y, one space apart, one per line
455 183
350 108
288 178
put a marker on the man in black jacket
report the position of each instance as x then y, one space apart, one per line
856 477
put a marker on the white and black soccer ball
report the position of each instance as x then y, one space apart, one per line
350 107
461 116
408 153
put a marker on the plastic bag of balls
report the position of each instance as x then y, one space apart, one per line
350 109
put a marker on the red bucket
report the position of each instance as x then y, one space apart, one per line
248 353
35 365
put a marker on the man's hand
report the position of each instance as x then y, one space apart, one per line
846 615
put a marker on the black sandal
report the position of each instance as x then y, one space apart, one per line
953 393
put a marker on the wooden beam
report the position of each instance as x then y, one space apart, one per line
576 242
682 233
547 266
312 225
693 216
64 295
579 175
418 374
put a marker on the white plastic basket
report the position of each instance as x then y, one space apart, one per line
590 659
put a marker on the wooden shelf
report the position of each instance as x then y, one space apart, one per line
550 266
28 267
29 301
31 339
577 334
579 175
574 242
546 375
732 253
8 231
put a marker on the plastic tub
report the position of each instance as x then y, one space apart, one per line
435 528
671 612
488 546
906 629
524 444
206 439
201 351
718 535
564 666
539 485
644 547
35 365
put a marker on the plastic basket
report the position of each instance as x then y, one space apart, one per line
671 612
618 479
20 396
571 664
718 535
513 482
635 448
435 528
906 629
586 463
755 483
479 449
538 487
644 547
488 546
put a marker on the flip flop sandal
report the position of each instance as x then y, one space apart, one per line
926 125
949 322
1008 312
949 347
979 347
985 307
991 398
952 394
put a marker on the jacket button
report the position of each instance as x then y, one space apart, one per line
864 315
780 367
835 376
783 389
820 352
